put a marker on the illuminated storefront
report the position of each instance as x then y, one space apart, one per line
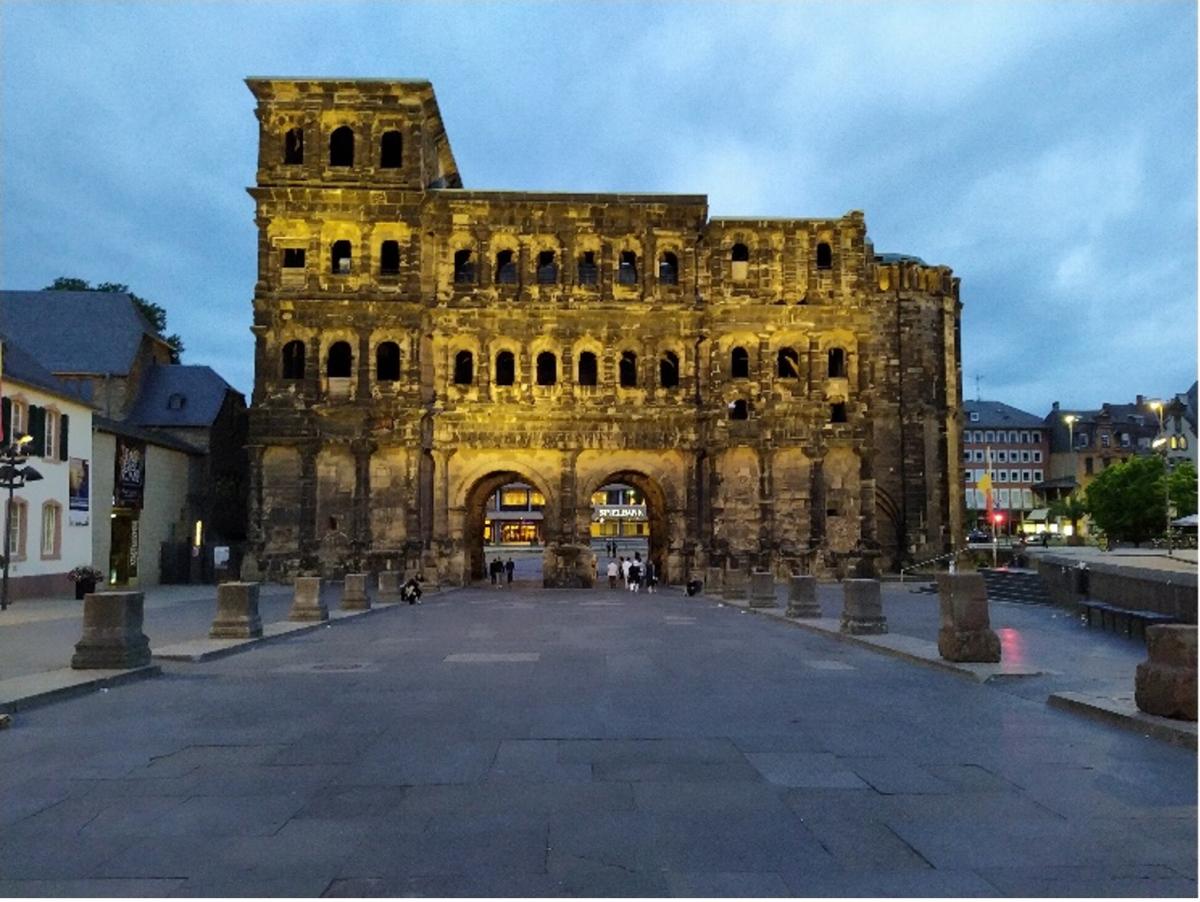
619 511
514 516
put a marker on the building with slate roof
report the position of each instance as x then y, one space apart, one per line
1099 438
1180 427
1015 446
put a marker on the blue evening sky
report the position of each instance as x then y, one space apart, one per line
1045 151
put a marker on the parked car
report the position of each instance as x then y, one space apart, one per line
978 535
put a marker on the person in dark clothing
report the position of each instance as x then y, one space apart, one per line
694 586
509 567
494 569
411 592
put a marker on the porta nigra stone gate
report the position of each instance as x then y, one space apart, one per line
784 396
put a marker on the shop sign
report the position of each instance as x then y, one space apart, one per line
619 512
130 481
79 502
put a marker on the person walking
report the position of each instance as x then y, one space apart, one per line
613 571
651 577
626 563
492 569
509 567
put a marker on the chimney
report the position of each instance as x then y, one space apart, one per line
1055 406
1141 400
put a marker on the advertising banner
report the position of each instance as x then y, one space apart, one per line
130 480
80 493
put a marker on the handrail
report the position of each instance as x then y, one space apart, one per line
932 560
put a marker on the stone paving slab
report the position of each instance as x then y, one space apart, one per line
1121 710
21 693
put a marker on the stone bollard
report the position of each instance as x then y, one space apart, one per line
1166 684
735 586
862 607
389 583
307 603
112 633
762 589
237 612
966 633
714 581
802 597
354 593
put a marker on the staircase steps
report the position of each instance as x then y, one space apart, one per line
1023 586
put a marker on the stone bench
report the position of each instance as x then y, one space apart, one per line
112 633
1118 619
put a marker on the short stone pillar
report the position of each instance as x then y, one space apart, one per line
354 593
735 586
237 612
862 607
307 603
389 583
802 597
762 589
112 633
714 581
1166 683
966 631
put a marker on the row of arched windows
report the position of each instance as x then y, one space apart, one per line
341 148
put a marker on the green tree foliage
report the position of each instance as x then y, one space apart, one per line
154 313
1073 508
1127 500
1183 489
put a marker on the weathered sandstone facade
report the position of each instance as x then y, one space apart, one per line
785 397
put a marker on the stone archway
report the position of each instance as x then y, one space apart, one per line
656 513
475 513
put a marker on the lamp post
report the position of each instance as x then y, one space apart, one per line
1161 444
1071 419
14 474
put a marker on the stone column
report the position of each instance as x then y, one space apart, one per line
251 562
308 506
112 633
307 603
389 583
802 597
1166 683
735 587
862 607
237 612
762 589
965 633
354 593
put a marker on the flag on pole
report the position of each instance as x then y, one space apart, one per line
985 485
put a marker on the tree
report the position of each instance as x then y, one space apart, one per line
1127 500
155 314
1182 484
1072 508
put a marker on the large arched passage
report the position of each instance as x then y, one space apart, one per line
475 510
656 515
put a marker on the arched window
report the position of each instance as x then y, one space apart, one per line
389 258
292 359
837 363
506 268
668 370
547 368
389 150
338 363
339 258
506 368
387 362
788 364
464 368
589 272
740 259
588 371
824 256
293 147
739 363
627 369
627 273
464 268
739 410
341 147
668 269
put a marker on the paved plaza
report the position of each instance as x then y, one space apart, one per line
536 742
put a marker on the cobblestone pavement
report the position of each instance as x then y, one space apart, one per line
540 743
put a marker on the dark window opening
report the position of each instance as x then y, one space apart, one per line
589 272
739 366
837 413
341 147
339 258
740 254
837 363
788 363
293 258
338 364
668 269
389 258
293 147
547 269
824 256
628 369
293 360
588 371
464 368
627 272
389 150
464 269
176 401
506 368
333 523
387 362
506 268
668 370
739 410
547 368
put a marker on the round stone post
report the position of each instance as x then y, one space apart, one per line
762 589
965 633
307 603
354 593
862 607
389 583
112 633
237 612
802 597
1166 684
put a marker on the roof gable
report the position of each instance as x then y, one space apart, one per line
180 395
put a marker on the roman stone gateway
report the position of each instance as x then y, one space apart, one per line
783 396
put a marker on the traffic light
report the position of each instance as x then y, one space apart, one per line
998 518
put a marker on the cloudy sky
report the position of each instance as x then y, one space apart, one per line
1045 151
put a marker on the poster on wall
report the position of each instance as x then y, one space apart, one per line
131 473
80 493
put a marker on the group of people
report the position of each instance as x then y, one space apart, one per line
501 572
634 572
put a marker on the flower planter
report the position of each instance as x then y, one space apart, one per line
84 587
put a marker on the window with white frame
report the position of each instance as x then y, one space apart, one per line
989 436
1002 476
967 456
17 522
1037 457
1024 457
1026 476
50 449
19 417
974 416
1037 476
978 455
51 530
1002 456
1027 497
1024 438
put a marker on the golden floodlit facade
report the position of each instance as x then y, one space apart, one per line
782 396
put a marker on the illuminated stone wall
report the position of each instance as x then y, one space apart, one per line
792 398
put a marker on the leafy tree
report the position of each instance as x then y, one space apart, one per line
155 314
1073 508
1182 485
1127 500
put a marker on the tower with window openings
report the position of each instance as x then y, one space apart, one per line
783 396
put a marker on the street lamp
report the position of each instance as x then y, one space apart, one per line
1071 419
1160 444
14 473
